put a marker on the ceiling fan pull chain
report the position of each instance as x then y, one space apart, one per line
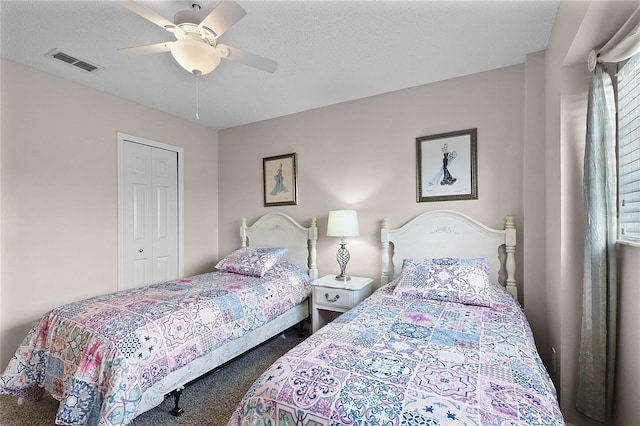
197 98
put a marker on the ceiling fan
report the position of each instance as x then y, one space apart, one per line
196 48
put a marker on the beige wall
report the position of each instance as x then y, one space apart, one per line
362 155
567 23
59 193
533 200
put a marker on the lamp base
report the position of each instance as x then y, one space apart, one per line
343 257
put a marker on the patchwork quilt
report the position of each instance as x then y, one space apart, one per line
398 360
97 356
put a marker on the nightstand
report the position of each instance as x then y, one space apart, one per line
331 296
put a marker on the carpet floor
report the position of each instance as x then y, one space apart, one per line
210 401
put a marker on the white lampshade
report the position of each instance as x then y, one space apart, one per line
343 223
195 56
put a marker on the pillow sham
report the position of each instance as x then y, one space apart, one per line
457 280
253 261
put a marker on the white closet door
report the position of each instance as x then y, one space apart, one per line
149 215
165 214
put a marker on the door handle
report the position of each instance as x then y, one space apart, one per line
140 251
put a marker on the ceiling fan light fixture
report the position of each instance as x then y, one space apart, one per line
195 56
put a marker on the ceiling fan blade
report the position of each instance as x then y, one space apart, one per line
247 58
146 49
223 16
148 14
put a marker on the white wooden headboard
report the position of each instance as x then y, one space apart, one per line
280 230
446 233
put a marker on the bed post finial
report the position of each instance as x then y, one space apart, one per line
243 233
313 238
384 239
510 248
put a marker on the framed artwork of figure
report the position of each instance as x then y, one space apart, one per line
280 182
447 166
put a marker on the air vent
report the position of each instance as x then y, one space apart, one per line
71 60
85 66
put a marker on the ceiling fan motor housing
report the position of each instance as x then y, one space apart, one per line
188 16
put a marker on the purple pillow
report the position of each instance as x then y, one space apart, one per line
251 261
457 280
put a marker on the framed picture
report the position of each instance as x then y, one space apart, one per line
279 176
446 166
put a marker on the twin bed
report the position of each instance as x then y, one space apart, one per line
112 357
439 343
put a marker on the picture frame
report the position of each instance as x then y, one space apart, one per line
447 166
280 180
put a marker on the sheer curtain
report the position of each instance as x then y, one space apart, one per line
596 365
597 359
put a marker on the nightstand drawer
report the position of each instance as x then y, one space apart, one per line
333 297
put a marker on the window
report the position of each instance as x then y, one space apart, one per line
629 151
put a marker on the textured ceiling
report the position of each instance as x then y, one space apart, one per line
327 51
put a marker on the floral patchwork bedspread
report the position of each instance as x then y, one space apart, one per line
409 361
99 355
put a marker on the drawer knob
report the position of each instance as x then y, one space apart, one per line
326 295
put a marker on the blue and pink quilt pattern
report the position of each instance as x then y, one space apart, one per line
409 361
99 355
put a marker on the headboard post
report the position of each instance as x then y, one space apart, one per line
384 238
313 239
510 248
243 233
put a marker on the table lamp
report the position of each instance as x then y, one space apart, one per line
343 223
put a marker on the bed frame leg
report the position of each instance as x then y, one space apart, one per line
177 410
